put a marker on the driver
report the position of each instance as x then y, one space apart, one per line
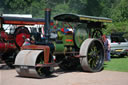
27 42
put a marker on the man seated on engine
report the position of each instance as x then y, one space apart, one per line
27 42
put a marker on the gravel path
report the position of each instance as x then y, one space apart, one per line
59 77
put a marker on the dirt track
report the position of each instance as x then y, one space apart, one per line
59 77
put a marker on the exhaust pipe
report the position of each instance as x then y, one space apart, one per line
47 24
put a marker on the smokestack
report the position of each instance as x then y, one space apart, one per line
47 24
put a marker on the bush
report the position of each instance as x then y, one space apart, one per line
117 27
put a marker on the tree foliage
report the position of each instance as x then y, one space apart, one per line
117 27
120 12
115 9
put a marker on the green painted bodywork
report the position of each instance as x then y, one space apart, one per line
59 47
64 41
68 39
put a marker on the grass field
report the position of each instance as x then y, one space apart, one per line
117 64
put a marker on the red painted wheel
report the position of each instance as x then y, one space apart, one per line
21 34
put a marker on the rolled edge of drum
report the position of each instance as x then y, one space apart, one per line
84 47
83 53
29 72
25 63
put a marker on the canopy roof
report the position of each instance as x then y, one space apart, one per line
22 21
80 18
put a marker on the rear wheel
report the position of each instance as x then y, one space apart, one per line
92 55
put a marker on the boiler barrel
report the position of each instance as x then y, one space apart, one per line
6 47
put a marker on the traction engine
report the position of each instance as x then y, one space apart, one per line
10 44
12 39
63 47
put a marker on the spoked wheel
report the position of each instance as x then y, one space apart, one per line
79 36
26 64
92 55
97 34
21 34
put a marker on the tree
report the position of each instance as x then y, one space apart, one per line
34 7
120 13
117 27
92 7
61 8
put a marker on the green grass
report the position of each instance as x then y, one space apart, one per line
117 64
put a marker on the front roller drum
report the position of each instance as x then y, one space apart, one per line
26 62
92 55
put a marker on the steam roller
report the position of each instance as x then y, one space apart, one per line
28 62
71 50
35 60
